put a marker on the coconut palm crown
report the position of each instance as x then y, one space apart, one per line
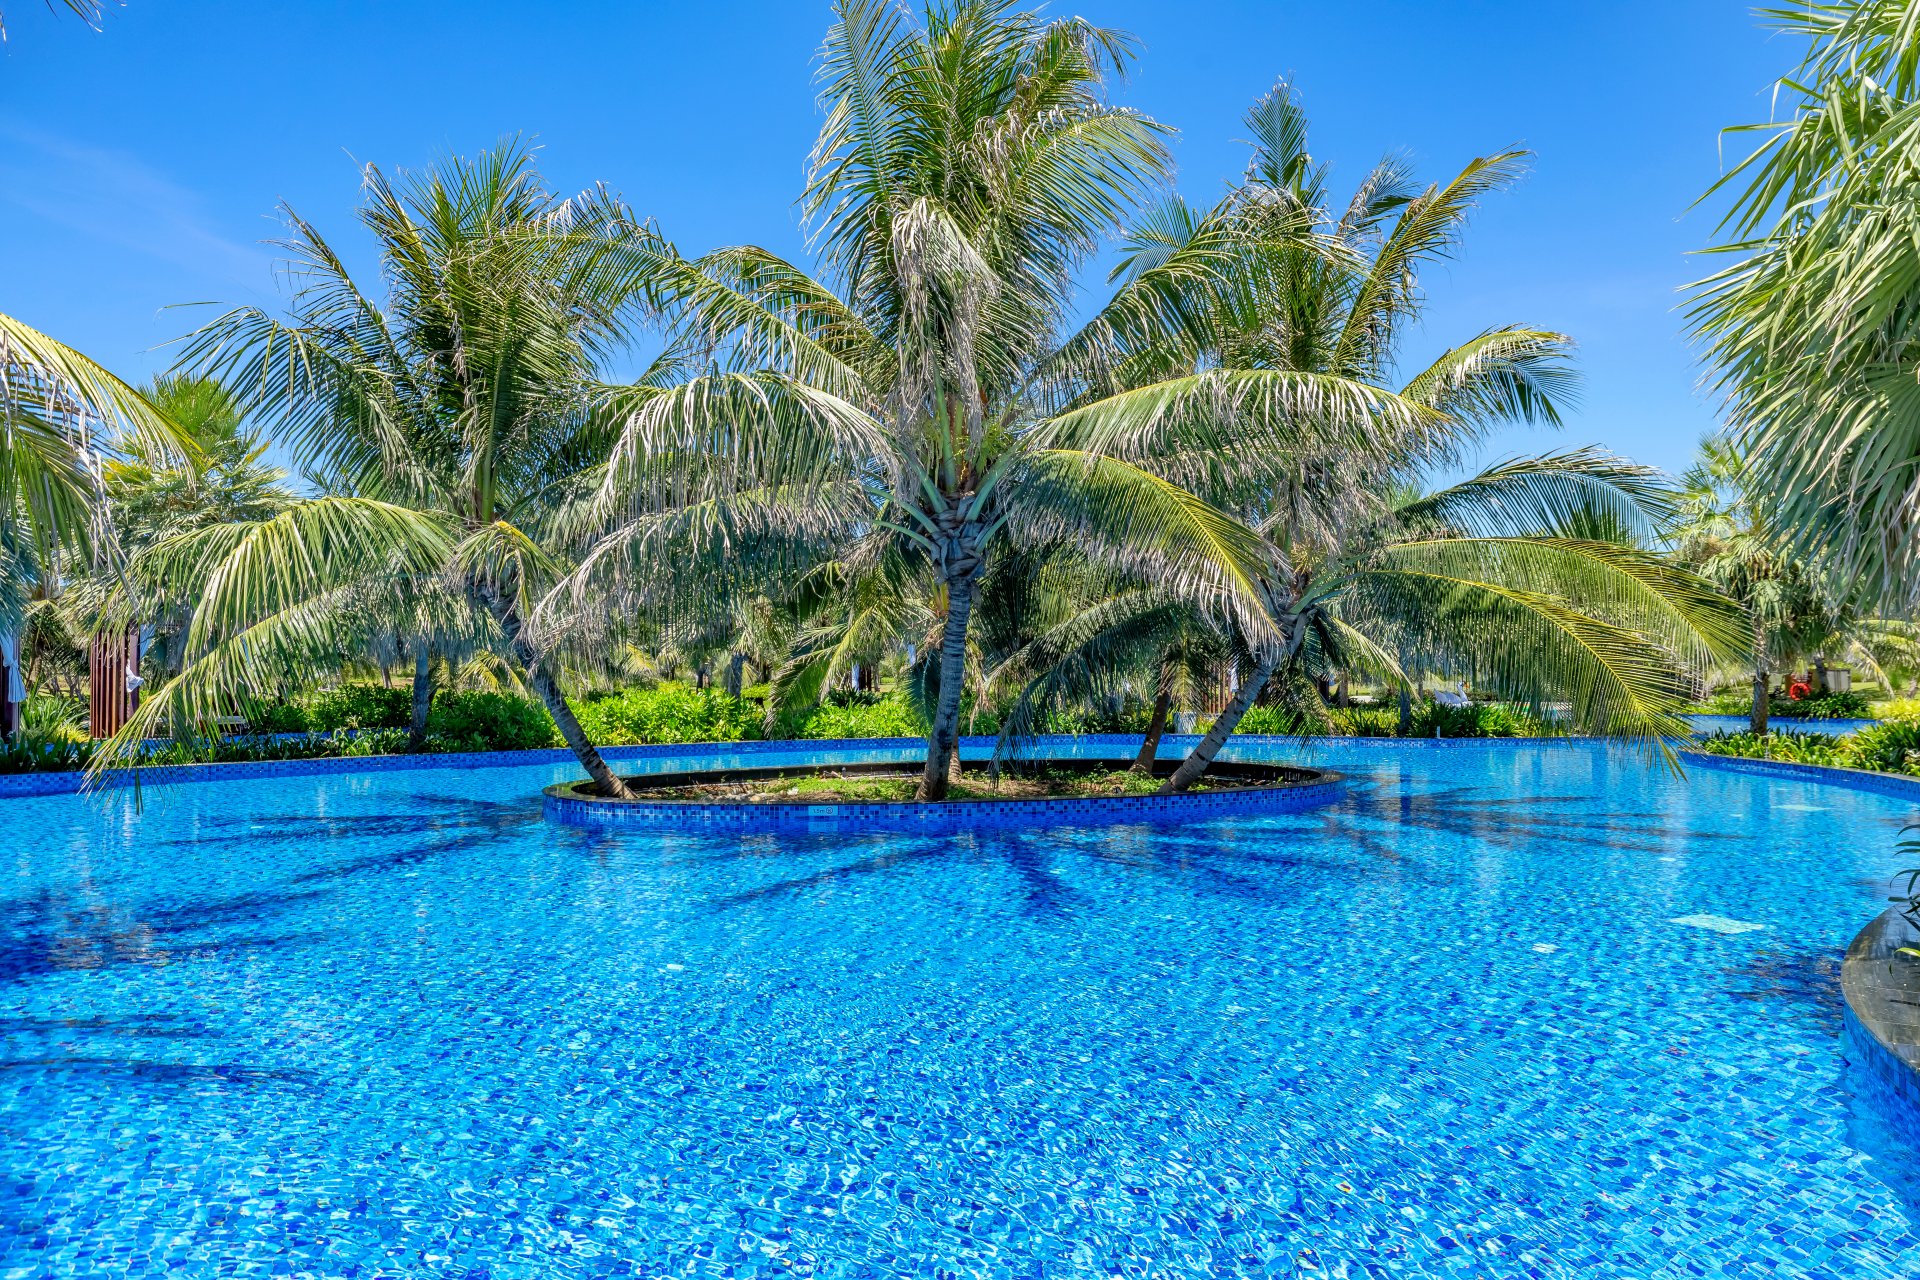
445 425
922 390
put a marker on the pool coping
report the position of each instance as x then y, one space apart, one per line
1833 775
1882 991
563 804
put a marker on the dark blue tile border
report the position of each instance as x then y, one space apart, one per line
1882 990
562 804
1886 784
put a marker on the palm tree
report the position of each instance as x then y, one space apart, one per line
1812 326
1498 579
59 413
447 426
1292 287
918 395
88 11
155 493
1728 531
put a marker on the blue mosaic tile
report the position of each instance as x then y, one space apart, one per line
391 1022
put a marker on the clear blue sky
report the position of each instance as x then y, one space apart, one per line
140 167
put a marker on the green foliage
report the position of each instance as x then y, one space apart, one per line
278 717
890 715
484 721
1851 705
668 713
1892 746
357 706
1738 701
1481 720
54 718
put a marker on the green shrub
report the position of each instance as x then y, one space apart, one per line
1481 720
359 706
484 721
1738 701
891 715
277 717
1892 746
668 713
1851 705
53 718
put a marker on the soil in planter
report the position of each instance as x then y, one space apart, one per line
828 787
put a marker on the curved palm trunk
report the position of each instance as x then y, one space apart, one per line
545 688
1201 757
422 696
1757 721
1406 711
1156 729
944 734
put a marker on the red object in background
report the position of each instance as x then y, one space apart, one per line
1799 689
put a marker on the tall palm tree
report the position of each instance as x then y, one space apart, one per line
1812 325
1331 304
922 391
447 424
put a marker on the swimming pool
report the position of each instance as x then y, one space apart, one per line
397 1025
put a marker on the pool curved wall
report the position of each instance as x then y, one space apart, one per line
562 803
1880 986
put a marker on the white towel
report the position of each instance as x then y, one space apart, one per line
10 654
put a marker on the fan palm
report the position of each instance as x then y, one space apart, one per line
1812 327
920 394
447 425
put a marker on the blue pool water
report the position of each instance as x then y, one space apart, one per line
394 1025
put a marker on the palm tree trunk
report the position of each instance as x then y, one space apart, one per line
944 734
422 695
1757 721
1156 727
1406 711
1201 757
545 688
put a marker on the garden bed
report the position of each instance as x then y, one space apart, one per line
880 794
867 783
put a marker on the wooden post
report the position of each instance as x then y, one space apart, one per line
109 701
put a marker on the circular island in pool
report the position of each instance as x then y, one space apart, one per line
1031 792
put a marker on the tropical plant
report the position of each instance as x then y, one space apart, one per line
918 398
88 11
446 424
1728 532
58 413
158 493
1494 579
1812 326
1330 306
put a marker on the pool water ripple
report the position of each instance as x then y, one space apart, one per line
395 1025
